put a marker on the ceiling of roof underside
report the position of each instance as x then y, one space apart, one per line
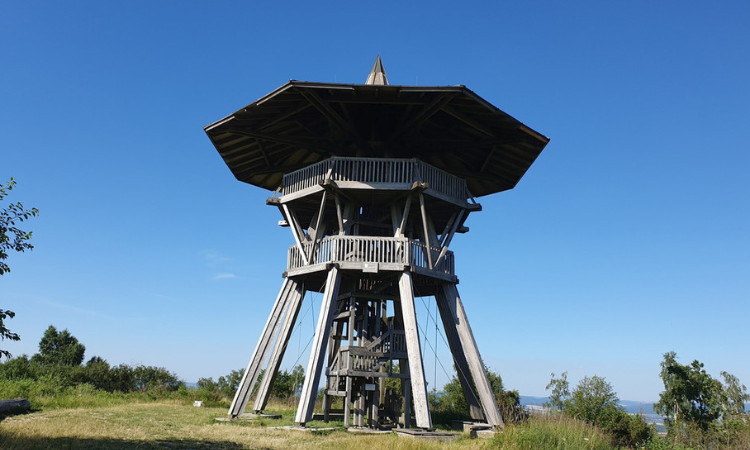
448 127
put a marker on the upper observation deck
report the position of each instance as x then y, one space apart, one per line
385 174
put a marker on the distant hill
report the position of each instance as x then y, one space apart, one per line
630 406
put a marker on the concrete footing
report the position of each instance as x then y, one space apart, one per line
416 433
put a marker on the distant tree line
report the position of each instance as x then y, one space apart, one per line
60 361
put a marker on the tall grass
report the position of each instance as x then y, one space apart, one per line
554 432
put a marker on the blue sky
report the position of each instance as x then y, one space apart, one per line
626 239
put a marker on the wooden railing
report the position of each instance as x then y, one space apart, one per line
376 171
366 249
371 358
390 341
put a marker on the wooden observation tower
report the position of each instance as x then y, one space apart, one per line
373 181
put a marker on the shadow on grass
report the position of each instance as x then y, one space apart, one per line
31 443
16 412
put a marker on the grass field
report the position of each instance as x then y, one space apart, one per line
163 425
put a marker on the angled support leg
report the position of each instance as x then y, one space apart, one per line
290 316
317 354
245 389
414 350
478 373
459 358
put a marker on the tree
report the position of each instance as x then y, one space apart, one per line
59 348
452 396
691 397
735 396
594 401
5 333
288 383
560 391
11 238
591 399
159 379
228 384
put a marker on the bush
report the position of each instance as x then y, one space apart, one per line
595 402
18 368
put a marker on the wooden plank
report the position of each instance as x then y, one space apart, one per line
244 391
460 202
416 366
361 373
476 366
301 193
435 274
335 394
312 268
290 317
317 354
370 186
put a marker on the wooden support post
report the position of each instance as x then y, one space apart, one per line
447 228
375 408
326 404
339 215
449 238
272 368
361 407
296 231
333 349
244 391
416 367
317 233
348 402
317 354
478 373
459 358
404 217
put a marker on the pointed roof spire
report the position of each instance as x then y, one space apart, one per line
377 74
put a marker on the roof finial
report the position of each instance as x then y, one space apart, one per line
377 74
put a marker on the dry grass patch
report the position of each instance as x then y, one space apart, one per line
173 426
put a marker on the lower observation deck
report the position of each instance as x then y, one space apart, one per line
371 255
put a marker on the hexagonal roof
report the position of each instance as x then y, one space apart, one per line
449 127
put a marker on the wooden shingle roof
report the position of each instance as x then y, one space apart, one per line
449 127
